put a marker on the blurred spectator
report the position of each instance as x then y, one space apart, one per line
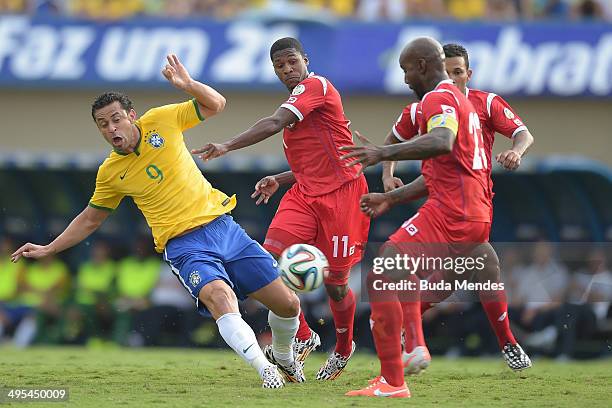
12 312
540 290
13 6
504 10
340 8
288 9
10 273
48 6
589 296
224 10
467 9
372 10
172 316
606 6
558 9
45 287
587 10
92 314
181 8
321 10
106 9
137 275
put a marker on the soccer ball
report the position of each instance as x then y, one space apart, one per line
303 267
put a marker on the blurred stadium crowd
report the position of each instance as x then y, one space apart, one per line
367 10
559 309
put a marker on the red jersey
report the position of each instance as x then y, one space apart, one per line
495 116
311 144
407 125
457 182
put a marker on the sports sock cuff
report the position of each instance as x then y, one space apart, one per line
227 316
285 318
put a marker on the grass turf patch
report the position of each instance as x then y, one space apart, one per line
196 378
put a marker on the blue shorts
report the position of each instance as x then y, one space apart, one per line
220 250
15 313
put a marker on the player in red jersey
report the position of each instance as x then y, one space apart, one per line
322 206
495 115
457 211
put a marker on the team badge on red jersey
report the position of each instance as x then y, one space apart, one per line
298 90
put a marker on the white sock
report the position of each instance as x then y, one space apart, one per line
240 337
25 332
283 335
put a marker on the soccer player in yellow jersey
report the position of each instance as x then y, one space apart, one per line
212 256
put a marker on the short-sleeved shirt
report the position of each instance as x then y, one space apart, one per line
311 144
407 125
495 115
161 176
459 181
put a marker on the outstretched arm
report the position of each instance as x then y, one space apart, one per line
376 204
438 141
410 192
80 228
286 177
209 100
263 129
267 186
511 159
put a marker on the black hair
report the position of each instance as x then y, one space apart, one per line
284 43
456 50
109 97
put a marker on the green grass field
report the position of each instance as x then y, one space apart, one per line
190 378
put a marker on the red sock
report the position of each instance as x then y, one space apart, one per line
344 315
303 332
386 324
413 327
496 307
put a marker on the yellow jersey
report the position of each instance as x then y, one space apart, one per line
161 176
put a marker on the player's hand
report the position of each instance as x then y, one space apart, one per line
509 159
30 250
211 151
264 189
366 155
374 204
391 183
176 73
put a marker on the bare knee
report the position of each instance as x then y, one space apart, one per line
290 307
218 298
337 292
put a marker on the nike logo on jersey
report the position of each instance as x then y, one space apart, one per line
123 176
379 393
247 349
342 330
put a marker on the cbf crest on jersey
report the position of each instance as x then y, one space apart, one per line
155 140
